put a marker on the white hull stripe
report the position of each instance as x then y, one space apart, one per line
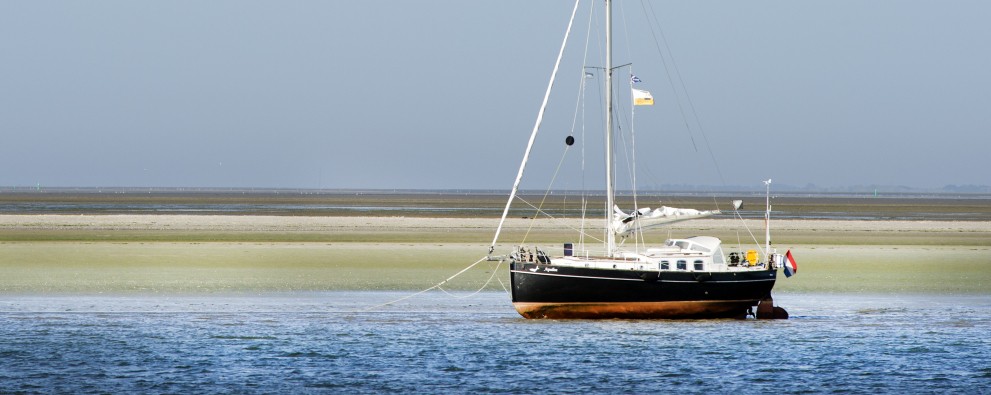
638 279
702 302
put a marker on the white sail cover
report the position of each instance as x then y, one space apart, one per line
626 224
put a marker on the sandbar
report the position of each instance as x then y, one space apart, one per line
163 254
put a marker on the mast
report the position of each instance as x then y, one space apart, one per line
610 183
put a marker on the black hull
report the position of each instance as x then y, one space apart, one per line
549 291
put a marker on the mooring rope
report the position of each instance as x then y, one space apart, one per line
499 279
494 272
431 288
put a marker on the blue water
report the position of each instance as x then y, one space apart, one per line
434 343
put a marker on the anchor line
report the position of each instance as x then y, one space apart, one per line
493 275
435 286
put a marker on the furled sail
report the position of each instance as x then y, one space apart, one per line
626 224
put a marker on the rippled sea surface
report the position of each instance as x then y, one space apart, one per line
435 343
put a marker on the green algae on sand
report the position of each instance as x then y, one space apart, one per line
183 253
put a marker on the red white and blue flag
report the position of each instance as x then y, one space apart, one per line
791 267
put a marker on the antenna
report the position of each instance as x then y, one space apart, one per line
767 220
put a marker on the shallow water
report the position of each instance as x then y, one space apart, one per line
457 205
434 343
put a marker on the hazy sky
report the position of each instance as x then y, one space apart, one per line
443 94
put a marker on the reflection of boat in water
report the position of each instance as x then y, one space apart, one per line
683 278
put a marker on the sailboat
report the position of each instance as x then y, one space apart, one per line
682 278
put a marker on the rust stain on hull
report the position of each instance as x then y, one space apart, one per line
685 309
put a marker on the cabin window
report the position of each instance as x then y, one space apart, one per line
718 258
698 265
682 265
665 265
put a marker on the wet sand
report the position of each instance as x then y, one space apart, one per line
197 253
254 228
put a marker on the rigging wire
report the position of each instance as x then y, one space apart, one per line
584 100
536 128
580 101
559 220
684 88
667 72
630 155
639 239
547 192
749 231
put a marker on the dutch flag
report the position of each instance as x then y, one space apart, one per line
791 267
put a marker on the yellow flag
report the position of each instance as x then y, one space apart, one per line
642 98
